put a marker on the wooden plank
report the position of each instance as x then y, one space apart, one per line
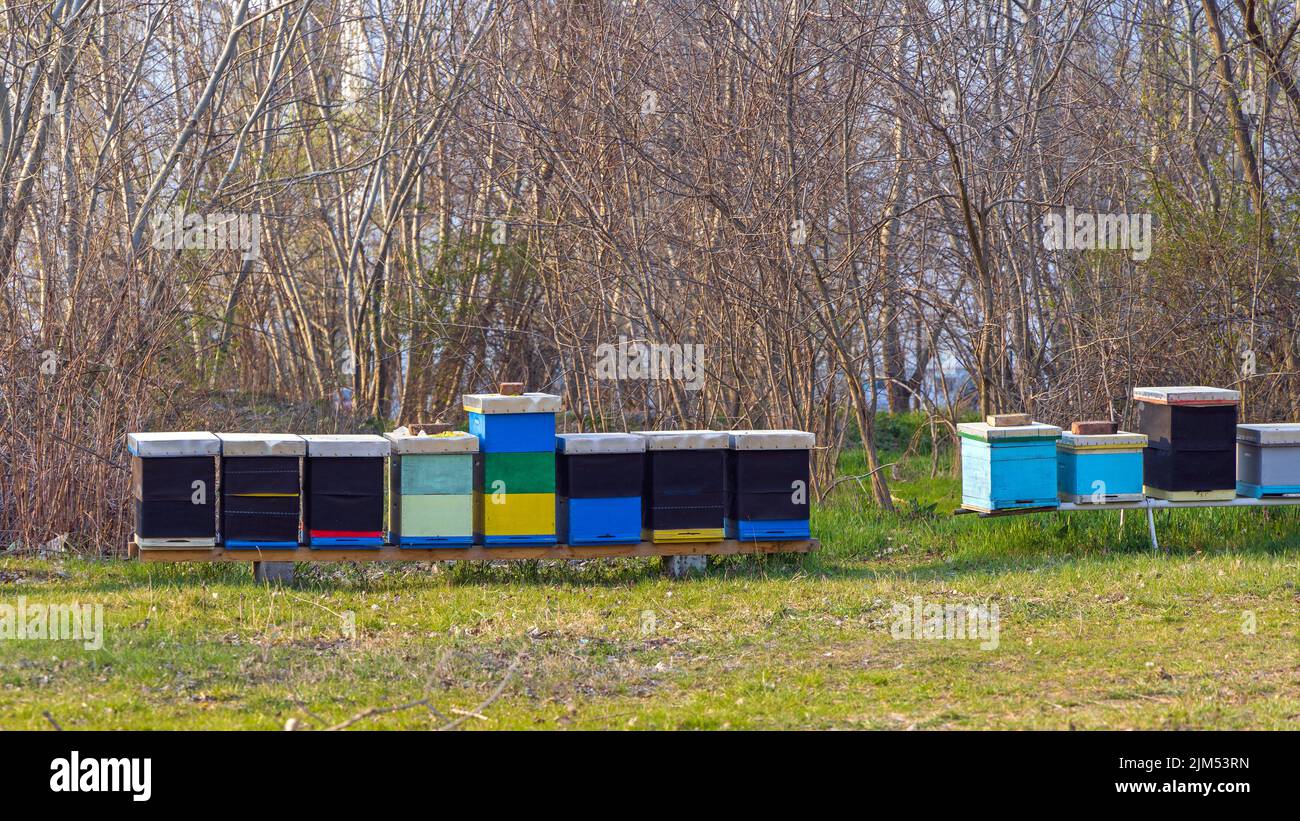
391 553
1141 504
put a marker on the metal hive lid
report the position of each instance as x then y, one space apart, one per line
576 444
1119 439
771 440
1187 395
456 441
987 433
1270 433
262 444
173 443
488 403
346 444
684 439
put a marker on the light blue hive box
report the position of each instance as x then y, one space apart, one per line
1003 468
1268 459
1099 468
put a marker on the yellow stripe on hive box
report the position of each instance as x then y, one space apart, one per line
711 534
514 514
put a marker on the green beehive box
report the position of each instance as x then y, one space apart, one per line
523 472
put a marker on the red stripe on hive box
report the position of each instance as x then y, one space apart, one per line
347 534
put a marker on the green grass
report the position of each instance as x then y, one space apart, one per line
1094 632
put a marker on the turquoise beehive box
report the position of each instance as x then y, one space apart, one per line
1008 467
431 488
1098 468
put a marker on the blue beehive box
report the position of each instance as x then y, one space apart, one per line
599 521
599 488
1009 467
513 424
1097 468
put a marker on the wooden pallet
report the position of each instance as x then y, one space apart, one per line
392 553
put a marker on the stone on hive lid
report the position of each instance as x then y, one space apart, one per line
1007 420
1090 428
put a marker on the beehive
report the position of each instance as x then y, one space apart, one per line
431 489
599 478
261 490
514 486
1268 459
513 424
174 488
1191 442
684 496
767 484
343 485
1008 467
1097 468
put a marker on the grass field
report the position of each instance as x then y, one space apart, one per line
1093 631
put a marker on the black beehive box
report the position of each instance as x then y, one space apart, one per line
345 493
768 475
599 475
343 485
685 486
759 484
260 499
174 489
261 490
1188 427
1191 442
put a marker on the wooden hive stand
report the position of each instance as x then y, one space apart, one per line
680 558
